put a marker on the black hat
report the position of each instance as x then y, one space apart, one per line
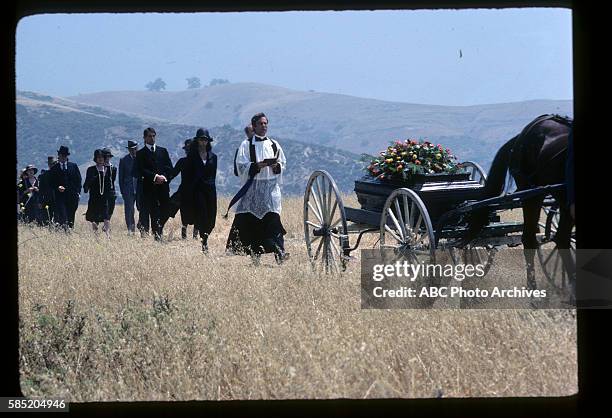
203 133
107 152
98 153
51 159
187 143
29 166
132 144
63 150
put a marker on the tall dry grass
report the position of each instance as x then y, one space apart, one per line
133 319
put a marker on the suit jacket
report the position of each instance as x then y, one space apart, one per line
46 191
127 182
148 164
70 179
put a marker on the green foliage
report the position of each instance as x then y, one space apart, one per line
193 83
216 81
403 159
156 85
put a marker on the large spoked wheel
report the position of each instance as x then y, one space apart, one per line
549 254
476 172
325 228
405 227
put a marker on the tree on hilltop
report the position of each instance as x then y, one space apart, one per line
216 81
156 85
193 83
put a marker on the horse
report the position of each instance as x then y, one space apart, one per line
535 157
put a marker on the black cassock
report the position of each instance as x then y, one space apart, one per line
199 190
99 186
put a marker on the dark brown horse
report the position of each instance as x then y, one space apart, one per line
535 157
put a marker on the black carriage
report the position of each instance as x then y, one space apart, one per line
430 213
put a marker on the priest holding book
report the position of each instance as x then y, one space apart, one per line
260 162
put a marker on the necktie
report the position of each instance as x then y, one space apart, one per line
64 166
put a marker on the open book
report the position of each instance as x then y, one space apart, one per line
271 161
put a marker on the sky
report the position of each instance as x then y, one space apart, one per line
444 57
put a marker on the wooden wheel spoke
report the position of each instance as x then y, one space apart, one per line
333 211
392 233
314 225
321 215
399 230
400 218
318 249
317 214
545 263
312 241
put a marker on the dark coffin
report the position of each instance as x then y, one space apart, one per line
439 192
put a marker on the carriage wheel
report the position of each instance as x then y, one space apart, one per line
550 259
476 172
325 228
405 227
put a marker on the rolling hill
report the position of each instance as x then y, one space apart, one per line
44 123
348 123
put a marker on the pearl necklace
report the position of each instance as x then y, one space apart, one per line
101 180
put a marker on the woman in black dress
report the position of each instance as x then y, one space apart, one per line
200 172
180 199
98 183
29 195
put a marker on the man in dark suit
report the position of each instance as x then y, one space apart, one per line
128 183
47 197
154 168
66 182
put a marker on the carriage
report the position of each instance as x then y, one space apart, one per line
430 213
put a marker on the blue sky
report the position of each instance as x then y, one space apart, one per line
507 55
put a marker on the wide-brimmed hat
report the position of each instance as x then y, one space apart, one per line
202 134
107 152
31 166
132 144
98 153
63 150
187 143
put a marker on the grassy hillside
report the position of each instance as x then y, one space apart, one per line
44 123
131 319
358 124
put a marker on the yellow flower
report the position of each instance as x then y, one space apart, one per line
414 157
389 160
404 153
438 156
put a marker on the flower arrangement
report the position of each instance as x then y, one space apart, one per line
402 159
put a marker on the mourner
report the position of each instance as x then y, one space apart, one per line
200 173
233 245
260 162
28 189
128 184
66 182
154 168
98 183
46 193
112 196
181 200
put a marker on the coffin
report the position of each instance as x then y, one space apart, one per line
439 192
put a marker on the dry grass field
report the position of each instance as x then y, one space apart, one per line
132 319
